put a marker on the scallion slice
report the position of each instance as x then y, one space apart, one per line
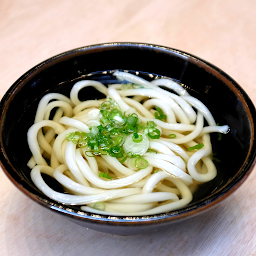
118 134
99 206
159 114
141 163
105 175
198 146
137 138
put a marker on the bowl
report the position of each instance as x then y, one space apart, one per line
227 101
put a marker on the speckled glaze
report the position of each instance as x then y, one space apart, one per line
223 96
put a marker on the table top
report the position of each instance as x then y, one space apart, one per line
221 32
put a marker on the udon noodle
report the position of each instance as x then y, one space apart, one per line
141 150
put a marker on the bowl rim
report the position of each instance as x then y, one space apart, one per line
184 213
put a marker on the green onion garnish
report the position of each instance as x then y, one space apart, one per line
151 151
159 114
155 134
137 138
219 134
99 206
198 146
123 159
141 163
131 86
109 137
172 136
105 175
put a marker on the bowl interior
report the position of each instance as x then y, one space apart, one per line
229 104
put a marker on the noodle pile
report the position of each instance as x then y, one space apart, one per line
141 150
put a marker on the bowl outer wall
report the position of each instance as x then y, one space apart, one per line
183 62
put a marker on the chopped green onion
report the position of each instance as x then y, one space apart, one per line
172 136
198 146
91 153
133 155
131 86
215 159
159 114
155 171
125 87
137 138
137 86
99 206
152 151
123 159
151 124
116 151
105 175
141 163
116 115
118 140
155 134
118 134
132 119
219 134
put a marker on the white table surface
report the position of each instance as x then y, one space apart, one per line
222 32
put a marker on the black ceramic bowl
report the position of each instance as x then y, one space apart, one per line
223 96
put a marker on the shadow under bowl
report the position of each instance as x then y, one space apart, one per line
229 104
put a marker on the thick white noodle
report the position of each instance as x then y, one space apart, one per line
170 168
176 160
193 134
124 76
179 113
183 104
87 104
209 129
74 123
140 183
57 146
160 147
147 198
171 85
163 188
107 166
175 127
201 154
115 163
172 172
112 93
85 83
72 185
202 108
66 107
175 148
49 135
164 82
32 138
186 198
44 102
95 180
72 165
75 199
139 107
153 180
91 162
159 103
118 208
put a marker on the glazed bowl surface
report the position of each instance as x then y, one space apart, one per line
227 101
